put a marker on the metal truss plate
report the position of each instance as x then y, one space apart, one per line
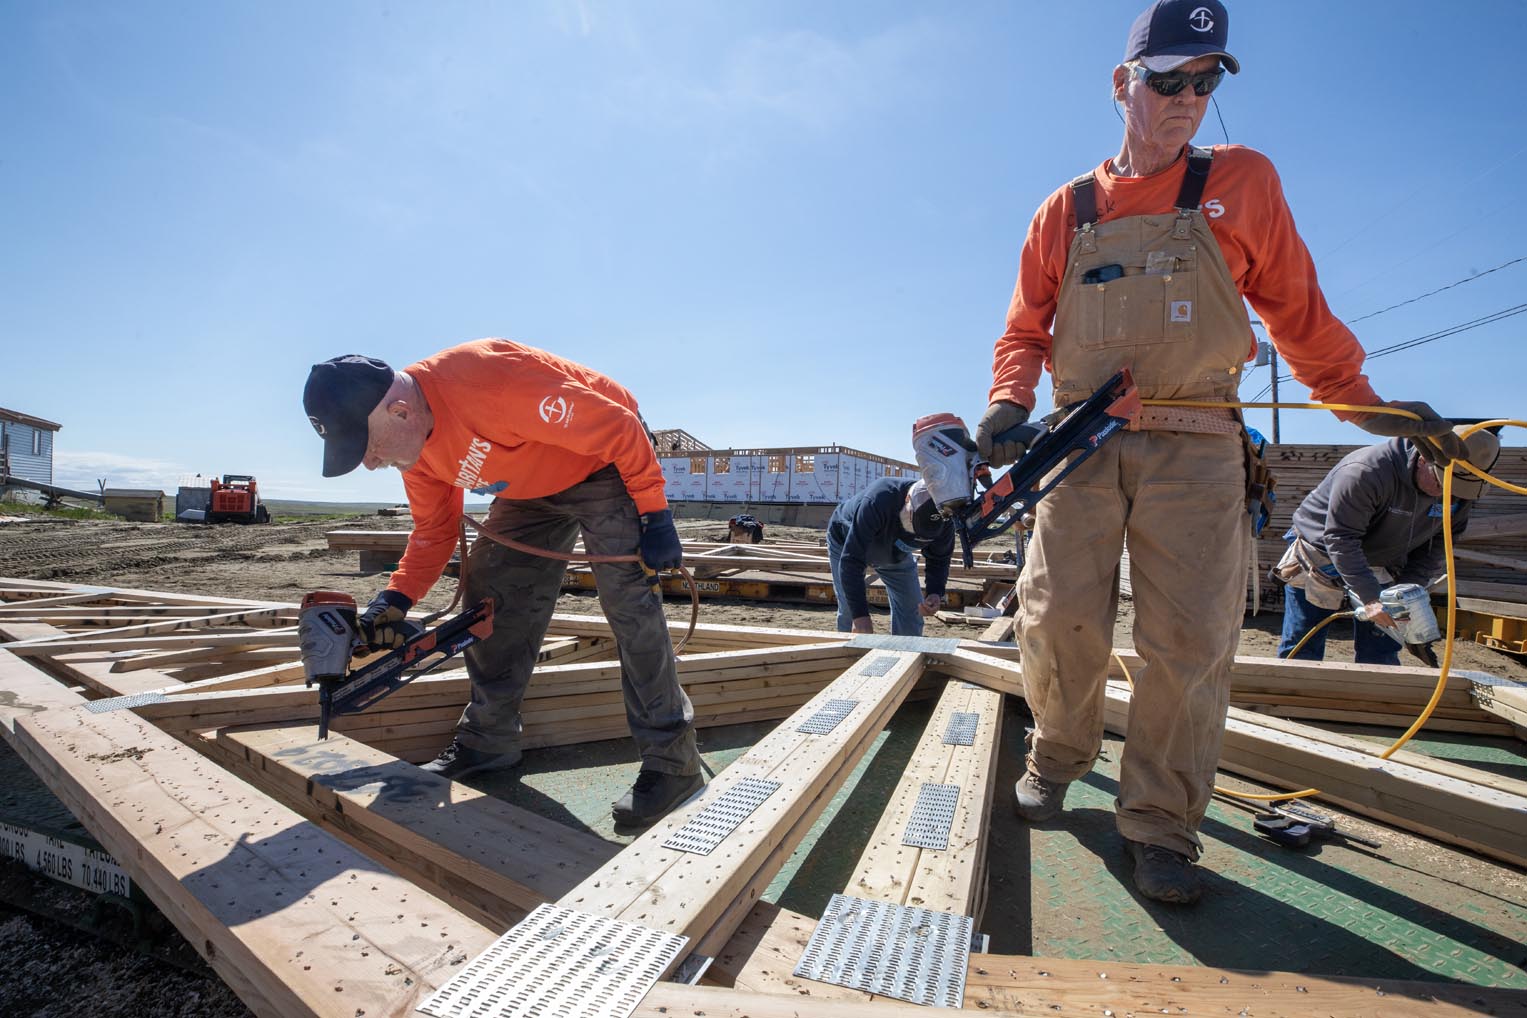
111 703
962 728
894 950
916 644
880 664
708 828
826 719
971 685
932 817
559 963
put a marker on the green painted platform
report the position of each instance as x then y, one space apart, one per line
1411 910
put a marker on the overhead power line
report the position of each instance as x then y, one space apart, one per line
1430 337
1433 293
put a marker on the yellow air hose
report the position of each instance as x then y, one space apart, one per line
1447 544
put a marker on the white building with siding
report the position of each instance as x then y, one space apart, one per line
26 451
812 474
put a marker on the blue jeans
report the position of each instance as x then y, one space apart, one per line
1299 617
901 587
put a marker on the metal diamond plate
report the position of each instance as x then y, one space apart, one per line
111 703
894 950
826 719
962 728
708 828
917 644
559 963
932 817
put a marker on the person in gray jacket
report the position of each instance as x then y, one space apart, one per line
1374 520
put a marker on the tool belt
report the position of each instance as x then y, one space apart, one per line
1261 485
1305 566
1193 420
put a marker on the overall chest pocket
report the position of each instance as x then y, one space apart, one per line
1154 301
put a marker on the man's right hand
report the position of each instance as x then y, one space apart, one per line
999 417
1374 612
381 624
1431 430
862 624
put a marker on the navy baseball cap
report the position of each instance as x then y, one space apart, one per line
1172 32
340 395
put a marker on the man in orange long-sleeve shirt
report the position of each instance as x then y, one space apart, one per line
561 448
1143 263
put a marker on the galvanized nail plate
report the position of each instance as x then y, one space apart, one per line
115 703
896 951
559 963
916 644
826 719
932 817
962 728
708 828
880 664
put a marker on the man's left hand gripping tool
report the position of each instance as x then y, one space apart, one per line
329 636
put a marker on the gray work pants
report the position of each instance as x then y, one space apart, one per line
524 589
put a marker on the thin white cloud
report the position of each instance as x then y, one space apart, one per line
799 76
83 470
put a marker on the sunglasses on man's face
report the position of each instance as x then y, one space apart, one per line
1172 82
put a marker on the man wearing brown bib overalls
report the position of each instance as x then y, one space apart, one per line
1143 263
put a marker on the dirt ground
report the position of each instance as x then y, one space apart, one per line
53 967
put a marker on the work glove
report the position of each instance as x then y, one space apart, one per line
930 605
660 544
1432 434
381 624
999 417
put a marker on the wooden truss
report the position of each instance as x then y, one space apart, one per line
335 878
785 571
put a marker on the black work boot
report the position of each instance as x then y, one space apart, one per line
1163 874
654 796
457 761
1037 799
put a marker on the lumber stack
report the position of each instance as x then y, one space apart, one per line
1493 550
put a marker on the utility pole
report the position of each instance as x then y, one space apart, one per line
1273 363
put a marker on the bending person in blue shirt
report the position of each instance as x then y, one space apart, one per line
884 528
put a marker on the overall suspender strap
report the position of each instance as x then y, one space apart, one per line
1193 179
1084 196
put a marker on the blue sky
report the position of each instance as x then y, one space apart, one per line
777 223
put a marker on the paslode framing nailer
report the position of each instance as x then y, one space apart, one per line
960 482
330 636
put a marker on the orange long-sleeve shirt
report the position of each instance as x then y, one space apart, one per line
514 422
1250 219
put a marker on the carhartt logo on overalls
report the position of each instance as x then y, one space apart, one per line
1182 311
471 467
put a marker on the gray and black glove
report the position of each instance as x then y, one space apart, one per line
1001 416
382 623
1433 435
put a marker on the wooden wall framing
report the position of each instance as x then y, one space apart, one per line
334 878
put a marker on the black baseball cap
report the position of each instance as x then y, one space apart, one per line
1172 32
340 395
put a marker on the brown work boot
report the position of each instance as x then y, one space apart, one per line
1163 874
1037 799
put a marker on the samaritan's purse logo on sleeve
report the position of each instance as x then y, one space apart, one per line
471 466
557 410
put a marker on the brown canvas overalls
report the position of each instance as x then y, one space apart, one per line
1176 486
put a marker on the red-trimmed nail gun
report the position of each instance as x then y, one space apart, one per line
330 636
960 482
